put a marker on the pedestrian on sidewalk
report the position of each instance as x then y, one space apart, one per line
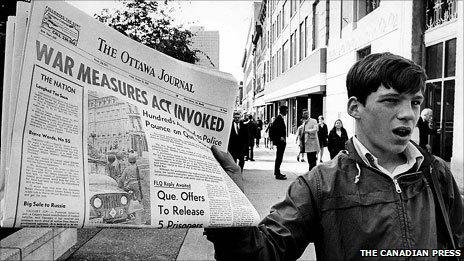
337 139
425 126
310 139
238 140
279 138
251 134
265 134
259 128
322 135
300 141
383 192
269 132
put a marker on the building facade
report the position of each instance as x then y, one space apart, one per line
310 46
290 41
207 42
249 63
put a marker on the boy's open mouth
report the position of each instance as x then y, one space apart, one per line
402 131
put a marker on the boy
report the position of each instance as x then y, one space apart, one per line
377 194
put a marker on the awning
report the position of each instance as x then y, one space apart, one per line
310 85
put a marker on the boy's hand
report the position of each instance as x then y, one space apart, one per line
228 164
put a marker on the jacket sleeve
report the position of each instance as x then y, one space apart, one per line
456 211
453 201
281 235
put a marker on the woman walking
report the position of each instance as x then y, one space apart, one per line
265 133
269 134
322 135
337 139
300 141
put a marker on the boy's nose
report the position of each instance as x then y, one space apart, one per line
406 112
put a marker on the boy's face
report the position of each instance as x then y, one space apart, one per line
386 121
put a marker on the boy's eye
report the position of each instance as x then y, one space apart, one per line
416 103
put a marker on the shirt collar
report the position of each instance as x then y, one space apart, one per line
413 158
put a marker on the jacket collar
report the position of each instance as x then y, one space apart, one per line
353 154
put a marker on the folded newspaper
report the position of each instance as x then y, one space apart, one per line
100 130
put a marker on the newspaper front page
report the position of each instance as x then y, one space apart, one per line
108 132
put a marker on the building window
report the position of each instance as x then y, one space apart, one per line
263 39
295 41
266 74
285 56
360 54
306 37
272 33
293 6
364 7
284 14
292 48
268 39
439 94
279 62
272 67
450 58
346 13
434 61
302 40
316 22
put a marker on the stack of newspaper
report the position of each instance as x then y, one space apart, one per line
100 130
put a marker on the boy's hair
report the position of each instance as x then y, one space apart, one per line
393 71
283 108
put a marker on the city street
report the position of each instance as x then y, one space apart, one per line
261 188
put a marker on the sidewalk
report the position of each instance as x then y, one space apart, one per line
262 189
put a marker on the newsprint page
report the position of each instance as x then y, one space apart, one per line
104 131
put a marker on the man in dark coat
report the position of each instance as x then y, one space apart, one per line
238 141
425 129
279 135
252 129
259 124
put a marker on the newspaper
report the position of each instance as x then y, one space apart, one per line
108 132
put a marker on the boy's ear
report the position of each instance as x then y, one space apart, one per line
353 107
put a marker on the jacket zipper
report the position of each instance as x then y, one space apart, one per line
399 191
397 186
395 180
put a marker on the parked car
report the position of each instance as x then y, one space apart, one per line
108 202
